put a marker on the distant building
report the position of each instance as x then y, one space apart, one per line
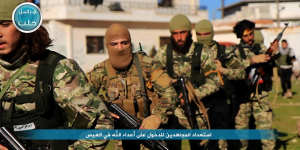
264 14
264 10
78 26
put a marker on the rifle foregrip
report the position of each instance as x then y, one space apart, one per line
155 145
133 123
13 143
128 120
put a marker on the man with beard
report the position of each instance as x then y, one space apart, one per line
41 89
180 60
133 81
253 101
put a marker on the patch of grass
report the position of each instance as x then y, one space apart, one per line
286 114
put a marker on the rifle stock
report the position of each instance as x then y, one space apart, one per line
8 140
127 121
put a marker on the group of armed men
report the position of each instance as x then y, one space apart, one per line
41 89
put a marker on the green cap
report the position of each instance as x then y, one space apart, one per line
258 37
180 22
204 26
7 7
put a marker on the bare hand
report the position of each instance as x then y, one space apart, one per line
151 122
219 66
259 58
113 115
274 46
3 147
181 99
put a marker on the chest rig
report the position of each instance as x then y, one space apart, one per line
47 113
197 77
132 89
255 49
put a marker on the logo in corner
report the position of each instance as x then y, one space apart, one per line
27 17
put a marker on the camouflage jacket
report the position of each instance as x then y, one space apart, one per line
208 56
125 87
245 62
250 51
71 90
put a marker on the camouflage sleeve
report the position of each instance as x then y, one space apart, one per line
233 67
244 63
82 107
211 85
264 49
95 76
162 85
161 56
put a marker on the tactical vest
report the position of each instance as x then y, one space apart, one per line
197 75
133 91
48 114
285 59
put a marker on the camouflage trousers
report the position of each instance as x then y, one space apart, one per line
127 145
260 108
88 145
180 121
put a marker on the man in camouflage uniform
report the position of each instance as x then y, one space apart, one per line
218 61
182 51
119 79
68 102
181 45
256 102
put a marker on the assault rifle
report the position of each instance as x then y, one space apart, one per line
8 140
256 73
180 87
127 121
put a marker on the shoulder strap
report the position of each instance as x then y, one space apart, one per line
256 48
196 77
44 80
221 53
170 69
289 51
242 52
142 82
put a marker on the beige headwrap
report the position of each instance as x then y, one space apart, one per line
119 58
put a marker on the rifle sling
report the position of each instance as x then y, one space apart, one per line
242 52
142 82
197 77
196 73
199 103
170 69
